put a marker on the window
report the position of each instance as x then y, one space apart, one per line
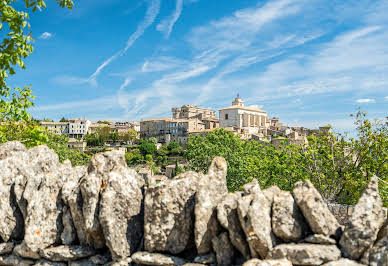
226 116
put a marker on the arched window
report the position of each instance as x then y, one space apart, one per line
226 116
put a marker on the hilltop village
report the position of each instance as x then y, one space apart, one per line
248 122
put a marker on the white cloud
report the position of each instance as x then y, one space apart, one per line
45 35
367 100
101 103
386 98
167 25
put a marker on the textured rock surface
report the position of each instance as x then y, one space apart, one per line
44 262
343 262
270 193
378 254
211 190
6 248
257 262
287 221
120 213
67 253
223 249
13 260
306 254
320 239
206 259
254 214
228 217
69 233
148 258
314 209
169 214
365 222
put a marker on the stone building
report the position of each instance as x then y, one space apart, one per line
191 112
59 128
244 120
75 128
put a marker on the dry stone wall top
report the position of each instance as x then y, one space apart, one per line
105 214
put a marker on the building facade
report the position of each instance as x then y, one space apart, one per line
59 128
244 120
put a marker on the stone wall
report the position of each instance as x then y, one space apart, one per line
105 214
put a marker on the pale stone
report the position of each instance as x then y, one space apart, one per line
367 218
212 189
49 263
223 249
120 213
378 254
306 254
228 217
320 239
287 221
22 250
13 260
254 214
67 253
69 234
156 259
270 193
314 209
343 262
257 262
123 262
6 248
169 214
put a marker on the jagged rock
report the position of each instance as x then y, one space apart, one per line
254 214
306 254
13 260
223 249
38 196
169 214
49 263
228 217
193 264
22 250
157 259
343 262
71 196
287 221
67 253
206 259
120 213
257 262
12 164
6 248
211 190
378 254
320 239
100 168
123 262
314 209
365 222
69 233
270 193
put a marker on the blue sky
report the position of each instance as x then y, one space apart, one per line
309 62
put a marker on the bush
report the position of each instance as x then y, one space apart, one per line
147 147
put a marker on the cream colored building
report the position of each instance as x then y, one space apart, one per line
190 112
78 128
243 119
59 128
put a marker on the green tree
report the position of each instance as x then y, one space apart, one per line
14 48
147 147
63 119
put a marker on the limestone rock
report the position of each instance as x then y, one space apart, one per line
314 209
306 254
343 262
69 233
212 188
223 249
365 222
6 248
22 250
120 216
67 253
320 239
254 214
12 163
169 214
49 263
156 259
228 217
13 260
257 262
287 221
270 193
124 262
206 259
71 196
378 254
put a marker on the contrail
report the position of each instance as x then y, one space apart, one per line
151 13
168 24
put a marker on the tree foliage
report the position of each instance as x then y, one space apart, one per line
338 165
14 48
